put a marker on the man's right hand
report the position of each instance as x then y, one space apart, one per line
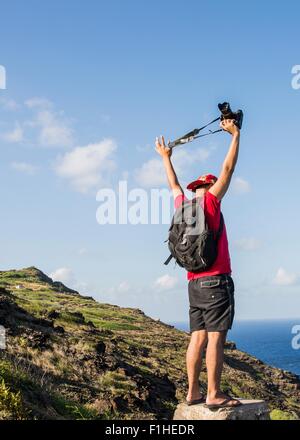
166 152
161 147
229 125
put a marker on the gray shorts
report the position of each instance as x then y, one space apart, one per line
211 303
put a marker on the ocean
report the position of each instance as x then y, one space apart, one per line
270 341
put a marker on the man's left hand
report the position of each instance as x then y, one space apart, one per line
229 125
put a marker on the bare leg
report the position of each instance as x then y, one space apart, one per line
194 356
214 363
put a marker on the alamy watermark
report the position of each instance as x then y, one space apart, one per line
140 207
296 78
2 338
296 338
2 78
134 206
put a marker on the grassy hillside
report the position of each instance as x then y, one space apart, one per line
70 357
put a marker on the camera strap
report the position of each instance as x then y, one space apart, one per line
189 137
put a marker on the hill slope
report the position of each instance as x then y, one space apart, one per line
70 357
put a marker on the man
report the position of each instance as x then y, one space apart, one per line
211 293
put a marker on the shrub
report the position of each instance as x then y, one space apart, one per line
11 402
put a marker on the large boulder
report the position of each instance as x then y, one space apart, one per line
249 410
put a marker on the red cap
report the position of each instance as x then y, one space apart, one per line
202 180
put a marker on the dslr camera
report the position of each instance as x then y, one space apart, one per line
227 113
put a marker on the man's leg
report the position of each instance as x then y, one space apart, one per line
214 364
194 357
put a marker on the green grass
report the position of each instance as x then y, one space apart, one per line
118 384
11 403
116 325
105 314
16 377
278 414
38 303
73 410
69 317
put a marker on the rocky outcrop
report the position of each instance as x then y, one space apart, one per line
249 410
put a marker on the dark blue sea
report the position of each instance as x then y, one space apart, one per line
270 341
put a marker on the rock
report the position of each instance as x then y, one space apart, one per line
77 317
59 329
100 347
43 322
118 403
250 410
229 345
139 351
38 339
60 287
53 314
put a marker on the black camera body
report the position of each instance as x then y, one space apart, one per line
227 113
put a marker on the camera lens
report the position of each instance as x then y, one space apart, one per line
225 109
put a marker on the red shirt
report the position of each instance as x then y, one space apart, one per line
212 211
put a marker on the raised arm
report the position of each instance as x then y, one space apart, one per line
166 154
221 186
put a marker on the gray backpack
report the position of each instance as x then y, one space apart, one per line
191 243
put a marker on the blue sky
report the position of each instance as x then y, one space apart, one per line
89 86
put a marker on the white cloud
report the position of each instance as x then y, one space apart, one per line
166 282
183 158
152 173
121 293
49 128
285 278
248 244
63 274
24 167
86 166
45 126
123 287
240 186
143 148
82 251
38 102
9 104
14 136
53 129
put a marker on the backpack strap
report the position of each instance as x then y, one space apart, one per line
168 259
219 232
193 202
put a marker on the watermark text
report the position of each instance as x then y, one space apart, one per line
296 78
296 338
2 338
2 78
